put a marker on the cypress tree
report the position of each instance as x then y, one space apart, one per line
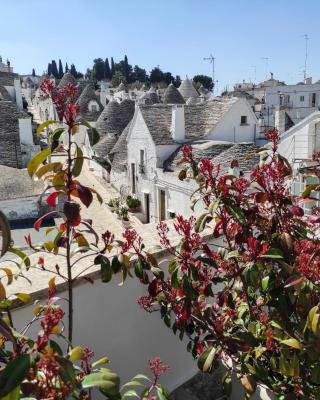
33 72
113 70
54 69
60 69
49 69
107 73
73 71
67 68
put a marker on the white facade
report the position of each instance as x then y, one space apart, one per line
162 194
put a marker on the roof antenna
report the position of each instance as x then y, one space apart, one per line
306 38
266 59
211 60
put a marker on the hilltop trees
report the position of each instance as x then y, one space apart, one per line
107 70
204 80
60 69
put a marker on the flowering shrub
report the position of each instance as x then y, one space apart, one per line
40 368
249 295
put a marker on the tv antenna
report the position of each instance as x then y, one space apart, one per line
306 38
211 60
254 67
266 59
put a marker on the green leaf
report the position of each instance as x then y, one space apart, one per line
44 125
237 213
54 345
48 168
103 360
132 383
172 266
213 206
14 373
292 343
130 393
13 395
78 162
55 138
315 374
265 283
106 270
5 234
37 160
206 359
199 226
309 188
233 254
21 254
162 392
106 380
273 253
24 297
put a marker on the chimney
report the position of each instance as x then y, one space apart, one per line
280 120
308 81
271 73
177 124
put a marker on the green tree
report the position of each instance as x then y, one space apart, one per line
66 68
168 78
49 69
98 70
204 80
107 70
156 75
139 74
60 69
117 78
113 70
33 72
73 71
54 69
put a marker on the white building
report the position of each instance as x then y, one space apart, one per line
140 157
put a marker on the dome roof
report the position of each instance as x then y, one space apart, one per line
172 95
115 117
121 87
193 100
187 89
67 78
150 97
88 94
203 90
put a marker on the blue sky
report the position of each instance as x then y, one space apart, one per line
176 34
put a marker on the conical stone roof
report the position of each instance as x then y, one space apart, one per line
115 117
187 89
172 95
67 78
121 87
150 97
88 94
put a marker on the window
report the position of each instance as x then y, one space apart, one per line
301 98
243 120
141 165
313 99
93 108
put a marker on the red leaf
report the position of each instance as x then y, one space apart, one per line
85 195
37 224
52 199
295 210
293 280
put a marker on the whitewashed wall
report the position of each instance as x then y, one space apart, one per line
26 207
25 131
110 322
229 127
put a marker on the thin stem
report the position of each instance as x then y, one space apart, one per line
68 256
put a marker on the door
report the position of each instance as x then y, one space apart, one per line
133 178
162 201
313 99
147 207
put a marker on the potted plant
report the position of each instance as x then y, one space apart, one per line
133 203
124 216
111 205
